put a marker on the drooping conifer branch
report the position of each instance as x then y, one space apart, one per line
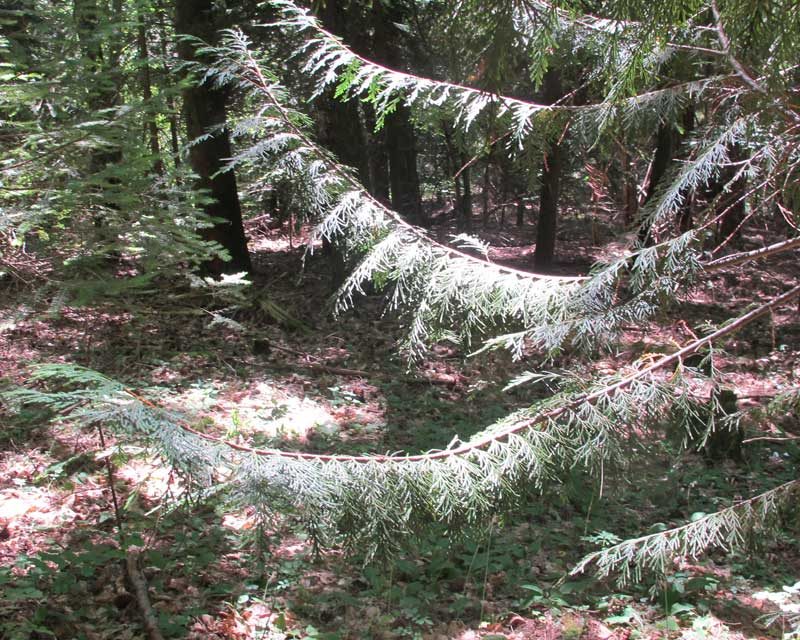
726 529
333 63
434 281
492 435
254 75
381 500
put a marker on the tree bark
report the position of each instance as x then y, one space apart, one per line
667 142
400 135
151 126
729 189
465 210
377 158
551 184
204 110
403 176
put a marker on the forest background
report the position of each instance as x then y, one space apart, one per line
399 318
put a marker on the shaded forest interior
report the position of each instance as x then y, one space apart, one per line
399 319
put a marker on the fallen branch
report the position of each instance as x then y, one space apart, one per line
771 439
756 254
138 585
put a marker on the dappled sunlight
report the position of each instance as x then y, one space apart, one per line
399 320
150 478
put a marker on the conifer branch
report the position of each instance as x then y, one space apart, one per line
494 435
726 529
255 76
379 500
433 280
756 254
331 61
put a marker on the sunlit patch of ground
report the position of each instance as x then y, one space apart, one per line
276 398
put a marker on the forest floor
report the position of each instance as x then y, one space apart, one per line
318 383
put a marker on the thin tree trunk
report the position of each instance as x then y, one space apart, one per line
551 184
465 211
630 202
667 142
451 169
204 108
485 192
377 159
732 205
174 128
400 135
548 209
151 125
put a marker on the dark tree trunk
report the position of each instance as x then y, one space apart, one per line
452 168
548 209
729 189
685 213
487 181
204 109
400 135
339 128
465 210
551 184
667 142
377 158
151 126
623 184
403 176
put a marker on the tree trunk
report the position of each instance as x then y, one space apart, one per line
487 181
204 109
103 82
730 189
174 137
551 184
624 183
151 126
548 209
686 211
465 210
667 142
377 159
403 176
339 128
400 135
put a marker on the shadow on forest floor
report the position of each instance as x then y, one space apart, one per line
340 386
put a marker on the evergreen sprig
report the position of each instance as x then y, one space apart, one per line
728 529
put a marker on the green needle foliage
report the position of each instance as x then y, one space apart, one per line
378 503
649 61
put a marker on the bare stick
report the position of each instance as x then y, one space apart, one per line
756 254
139 586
